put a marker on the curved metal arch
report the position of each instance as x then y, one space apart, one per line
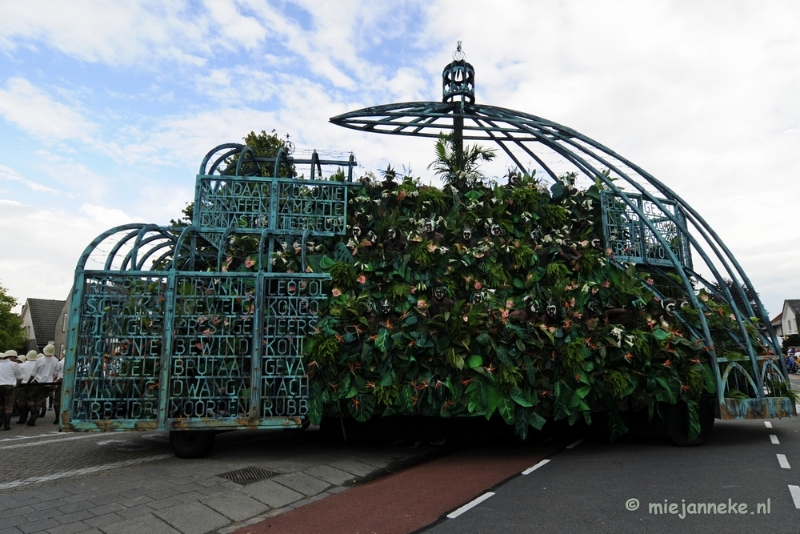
505 126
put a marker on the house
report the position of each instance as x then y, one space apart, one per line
776 325
39 317
788 318
60 336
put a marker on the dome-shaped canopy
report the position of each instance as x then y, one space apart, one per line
645 222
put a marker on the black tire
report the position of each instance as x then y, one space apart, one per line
191 443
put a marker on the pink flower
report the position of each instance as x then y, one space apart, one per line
362 279
249 262
466 319
431 247
477 285
336 292
421 304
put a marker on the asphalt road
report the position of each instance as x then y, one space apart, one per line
598 486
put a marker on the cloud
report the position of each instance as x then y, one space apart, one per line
39 248
36 112
9 174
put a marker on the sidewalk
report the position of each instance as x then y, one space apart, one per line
139 486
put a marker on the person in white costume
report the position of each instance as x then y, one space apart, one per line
41 378
26 367
10 376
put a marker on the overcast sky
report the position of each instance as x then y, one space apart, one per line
107 108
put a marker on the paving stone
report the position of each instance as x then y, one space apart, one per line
76 506
74 517
106 508
353 466
135 511
160 504
70 528
305 484
193 518
102 520
146 523
136 501
42 514
10 522
10 530
107 498
14 512
236 505
271 493
38 526
330 474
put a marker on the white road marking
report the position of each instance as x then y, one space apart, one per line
783 461
774 439
530 470
83 471
49 442
575 444
48 435
471 504
106 442
795 491
767 424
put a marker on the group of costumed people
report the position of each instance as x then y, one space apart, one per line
26 382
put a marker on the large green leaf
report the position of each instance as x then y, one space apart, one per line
361 407
314 410
519 397
506 410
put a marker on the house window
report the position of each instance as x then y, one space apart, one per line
64 323
790 325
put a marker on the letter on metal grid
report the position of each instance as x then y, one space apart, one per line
195 348
630 240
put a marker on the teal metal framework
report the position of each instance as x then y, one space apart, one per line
165 334
645 222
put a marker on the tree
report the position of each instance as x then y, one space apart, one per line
459 166
12 336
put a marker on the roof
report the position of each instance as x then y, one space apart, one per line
777 318
794 305
44 315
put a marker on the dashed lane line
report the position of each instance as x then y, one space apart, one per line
774 439
469 505
783 461
531 469
574 444
49 442
795 491
83 471
767 424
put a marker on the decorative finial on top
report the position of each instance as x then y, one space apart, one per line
288 145
458 79
459 55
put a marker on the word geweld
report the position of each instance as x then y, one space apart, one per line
683 509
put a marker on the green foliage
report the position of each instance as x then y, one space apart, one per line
12 335
459 167
343 275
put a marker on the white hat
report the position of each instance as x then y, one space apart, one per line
10 353
31 356
49 350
